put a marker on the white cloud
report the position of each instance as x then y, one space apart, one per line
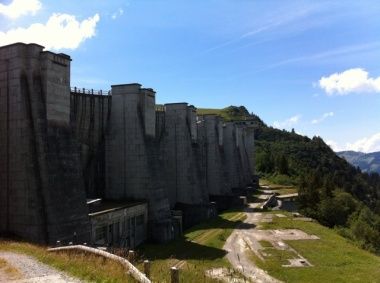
19 8
366 144
351 80
287 123
334 145
322 118
61 31
117 14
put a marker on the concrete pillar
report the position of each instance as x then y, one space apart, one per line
56 71
192 121
133 166
245 146
124 125
184 180
211 133
39 161
250 147
148 105
232 169
220 131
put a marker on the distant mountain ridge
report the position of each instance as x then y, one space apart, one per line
367 162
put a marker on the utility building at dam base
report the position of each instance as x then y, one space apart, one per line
108 168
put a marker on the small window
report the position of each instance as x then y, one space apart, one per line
100 233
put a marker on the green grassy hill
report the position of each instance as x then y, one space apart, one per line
230 113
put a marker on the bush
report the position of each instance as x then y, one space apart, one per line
284 180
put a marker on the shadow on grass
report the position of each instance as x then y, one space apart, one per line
186 248
254 198
181 249
255 209
266 192
219 223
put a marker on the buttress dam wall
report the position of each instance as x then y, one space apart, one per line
63 149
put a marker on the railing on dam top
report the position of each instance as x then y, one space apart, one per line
160 108
78 90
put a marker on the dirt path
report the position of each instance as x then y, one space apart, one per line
240 242
29 270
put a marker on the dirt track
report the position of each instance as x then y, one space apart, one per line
240 242
26 269
246 238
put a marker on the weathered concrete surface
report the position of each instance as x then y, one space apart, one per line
193 214
210 134
244 140
250 149
118 223
233 165
133 166
185 181
89 120
41 190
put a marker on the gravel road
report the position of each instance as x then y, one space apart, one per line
32 271
237 247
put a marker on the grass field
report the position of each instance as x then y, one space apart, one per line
334 258
198 251
84 266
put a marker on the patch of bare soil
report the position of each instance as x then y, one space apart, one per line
226 275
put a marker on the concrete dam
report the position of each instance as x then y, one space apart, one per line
108 168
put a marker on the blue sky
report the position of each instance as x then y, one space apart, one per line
309 65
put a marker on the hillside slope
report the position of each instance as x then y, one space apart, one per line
367 162
331 190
